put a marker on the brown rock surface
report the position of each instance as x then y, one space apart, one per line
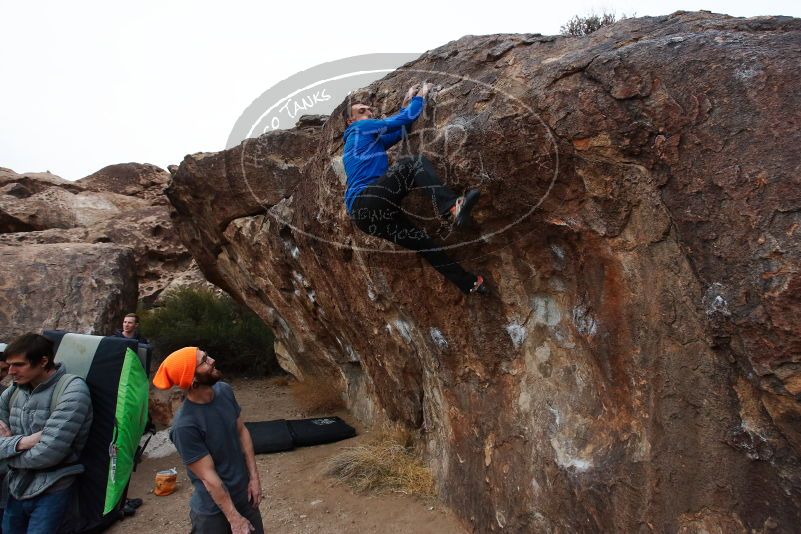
43 209
638 366
162 405
79 287
16 216
35 182
236 183
55 207
141 180
189 277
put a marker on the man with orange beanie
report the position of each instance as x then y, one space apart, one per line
214 444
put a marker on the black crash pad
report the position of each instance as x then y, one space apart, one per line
282 435
306 432
270 436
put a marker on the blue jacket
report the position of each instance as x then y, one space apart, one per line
366 144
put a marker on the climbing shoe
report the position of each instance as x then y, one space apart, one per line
480 286
461 210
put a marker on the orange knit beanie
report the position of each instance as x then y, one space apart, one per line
177 369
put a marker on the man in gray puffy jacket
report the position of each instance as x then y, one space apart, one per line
3 466
41 445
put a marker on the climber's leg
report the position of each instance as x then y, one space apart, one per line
377 212
420 172
411 172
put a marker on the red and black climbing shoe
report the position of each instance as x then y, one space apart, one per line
461 210
480 286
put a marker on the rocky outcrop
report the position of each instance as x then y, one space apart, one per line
122 204
240 182
638 367
80 287
191 277
141 180
32 182
58 208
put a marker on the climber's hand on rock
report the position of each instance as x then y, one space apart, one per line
410 93
425 89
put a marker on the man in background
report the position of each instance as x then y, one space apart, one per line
130 328
214 444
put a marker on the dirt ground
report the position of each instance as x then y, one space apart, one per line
299 498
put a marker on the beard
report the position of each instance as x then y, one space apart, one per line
209 378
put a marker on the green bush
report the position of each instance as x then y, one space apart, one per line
579 26
230 333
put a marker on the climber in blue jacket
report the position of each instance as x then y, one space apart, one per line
375 190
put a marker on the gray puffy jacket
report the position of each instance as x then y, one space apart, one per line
64 433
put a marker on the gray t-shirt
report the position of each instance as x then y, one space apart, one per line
201 429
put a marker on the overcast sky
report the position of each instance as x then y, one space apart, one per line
87 84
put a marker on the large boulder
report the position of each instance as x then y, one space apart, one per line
122 204
240 182
29 183
56 207
141 180
639 364
80 287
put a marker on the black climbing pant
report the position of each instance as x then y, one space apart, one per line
377 211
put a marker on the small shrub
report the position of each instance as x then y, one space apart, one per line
580 26
385 465
231 333
316 396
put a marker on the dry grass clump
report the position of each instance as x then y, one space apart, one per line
388 464
316 396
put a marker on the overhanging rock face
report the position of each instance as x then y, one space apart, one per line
639 365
